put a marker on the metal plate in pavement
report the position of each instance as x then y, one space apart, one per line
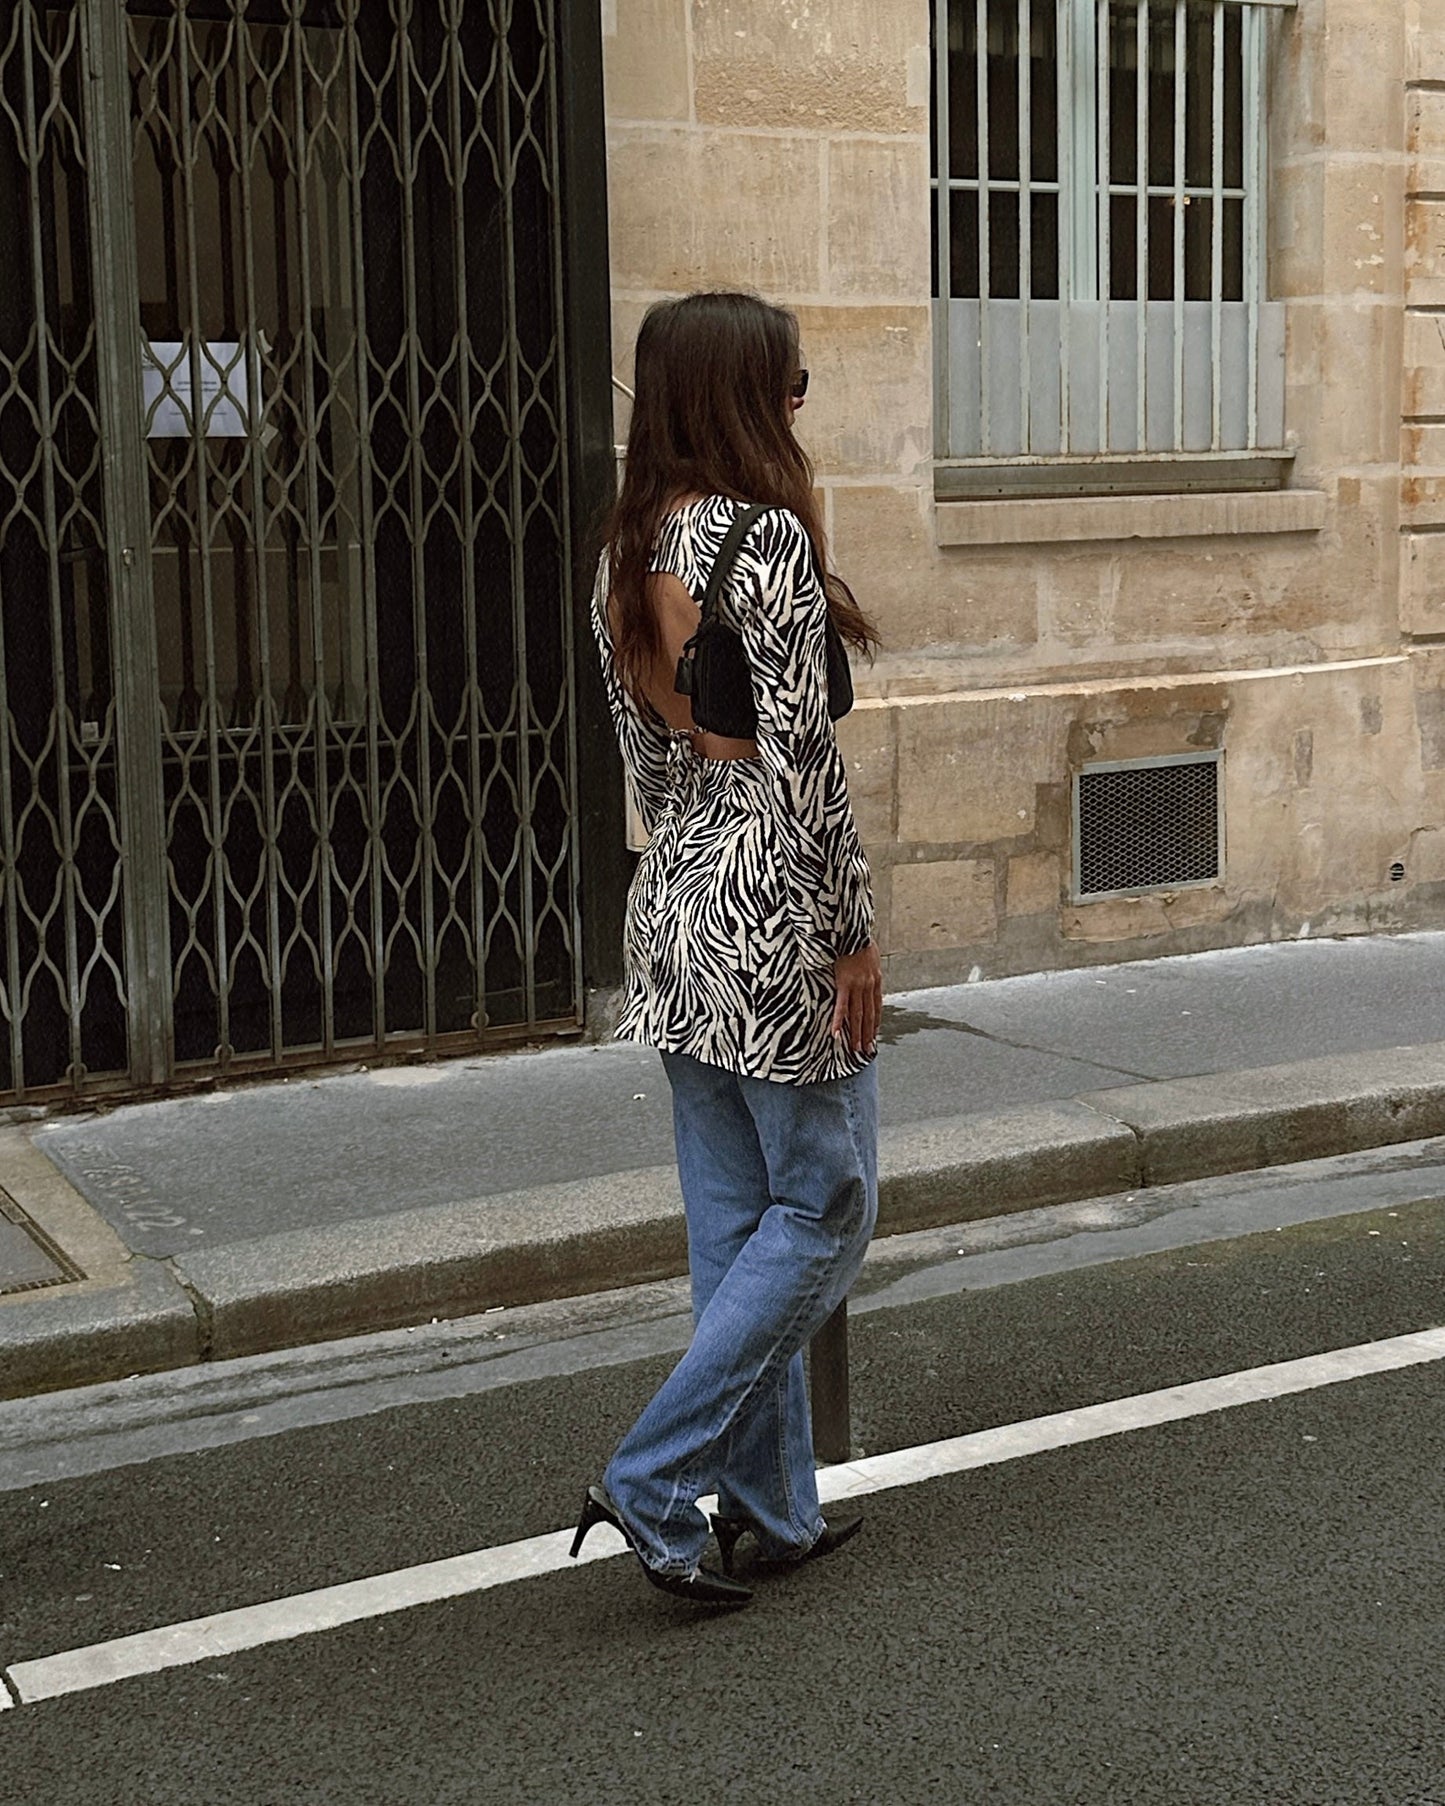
28 1259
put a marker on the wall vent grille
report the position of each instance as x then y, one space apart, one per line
1147 825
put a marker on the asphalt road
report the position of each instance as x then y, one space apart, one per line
1245 1607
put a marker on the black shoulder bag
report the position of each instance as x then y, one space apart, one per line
713 670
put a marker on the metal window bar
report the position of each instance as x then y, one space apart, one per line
1103 280
942 225
984 192
1254 215
1026 206
1079 105
1141 225
1179 201
1204 372
1216 231
1067 224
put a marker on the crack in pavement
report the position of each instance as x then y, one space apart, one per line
897 1024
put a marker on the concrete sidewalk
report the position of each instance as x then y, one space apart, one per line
236 1221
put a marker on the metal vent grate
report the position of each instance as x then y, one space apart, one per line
1147 825
29 1260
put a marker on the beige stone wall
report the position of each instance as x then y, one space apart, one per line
1422 489
782 145
1333 773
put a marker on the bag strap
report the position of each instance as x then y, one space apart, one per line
722 565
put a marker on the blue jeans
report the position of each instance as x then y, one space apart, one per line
780 1186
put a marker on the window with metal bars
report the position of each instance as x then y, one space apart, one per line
1099 176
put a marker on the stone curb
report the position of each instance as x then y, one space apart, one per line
1235 1122
554 1241
143 1324
587 1235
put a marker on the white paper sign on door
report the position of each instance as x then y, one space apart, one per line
167 382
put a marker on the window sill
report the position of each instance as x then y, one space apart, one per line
1118 473
1052 520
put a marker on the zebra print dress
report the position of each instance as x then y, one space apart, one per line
753 881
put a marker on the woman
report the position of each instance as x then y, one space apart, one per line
749 951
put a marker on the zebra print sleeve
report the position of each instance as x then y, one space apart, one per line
781 614
644 743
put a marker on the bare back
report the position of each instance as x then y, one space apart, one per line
677 616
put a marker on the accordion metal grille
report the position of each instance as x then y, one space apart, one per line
287 744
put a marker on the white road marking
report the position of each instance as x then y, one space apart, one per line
225 1633
249 1627
985 1448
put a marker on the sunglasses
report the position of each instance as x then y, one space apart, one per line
800 386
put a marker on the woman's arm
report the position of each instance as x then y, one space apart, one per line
782 615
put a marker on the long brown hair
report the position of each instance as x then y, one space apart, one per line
713 375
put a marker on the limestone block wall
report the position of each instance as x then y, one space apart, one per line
782 145
1422 489
965 802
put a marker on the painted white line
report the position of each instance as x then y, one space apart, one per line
227 1633
278 1620
986 1448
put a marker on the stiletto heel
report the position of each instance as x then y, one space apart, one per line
729 1531
702 1586
594 1512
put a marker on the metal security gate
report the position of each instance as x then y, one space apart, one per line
288 760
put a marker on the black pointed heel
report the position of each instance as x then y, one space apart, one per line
702 1586
730 1531
594 1512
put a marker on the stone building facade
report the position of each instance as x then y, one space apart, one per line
1296 626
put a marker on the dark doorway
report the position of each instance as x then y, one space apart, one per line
350 383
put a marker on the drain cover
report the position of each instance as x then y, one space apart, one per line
28 1258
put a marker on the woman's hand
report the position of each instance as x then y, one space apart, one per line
858 1010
